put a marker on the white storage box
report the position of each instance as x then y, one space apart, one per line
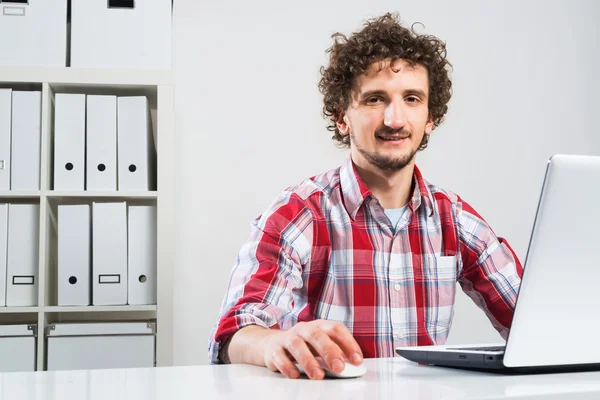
97 345
34 33
18 348
121 34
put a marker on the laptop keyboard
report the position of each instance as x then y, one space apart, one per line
497 348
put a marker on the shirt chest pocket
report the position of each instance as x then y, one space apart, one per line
440 275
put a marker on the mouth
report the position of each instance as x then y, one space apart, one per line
391 138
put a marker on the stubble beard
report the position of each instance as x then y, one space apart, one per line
383 162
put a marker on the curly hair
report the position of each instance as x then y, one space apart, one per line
380 40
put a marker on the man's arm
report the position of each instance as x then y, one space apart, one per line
259 302
491 271
260 288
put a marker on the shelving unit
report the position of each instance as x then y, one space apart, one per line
158 87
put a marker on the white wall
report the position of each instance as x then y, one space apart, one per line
248 122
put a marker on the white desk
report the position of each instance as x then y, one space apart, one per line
392 378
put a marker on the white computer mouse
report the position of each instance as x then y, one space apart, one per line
349 371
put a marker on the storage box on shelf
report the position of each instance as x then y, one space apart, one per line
100 345
18 347
34 33
156 86
139 35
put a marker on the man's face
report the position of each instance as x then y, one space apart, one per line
387 116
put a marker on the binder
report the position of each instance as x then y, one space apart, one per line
136 153
69 141
109 254
139 35
74 255
22 254
5 127
141 254
25 140
34 33
3 248
101 147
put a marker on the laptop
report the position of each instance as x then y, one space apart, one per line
556 322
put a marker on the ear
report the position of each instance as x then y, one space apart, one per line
429 126
342 123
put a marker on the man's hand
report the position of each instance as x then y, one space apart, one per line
330 340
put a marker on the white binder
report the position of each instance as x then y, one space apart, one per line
3 246
74 255
5 123
142 254
139 35
101 147
109 254
69 141
136 152
34 33
25 140
23 254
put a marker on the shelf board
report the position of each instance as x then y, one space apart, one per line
67 309
99 194
18 310
18 194
86 76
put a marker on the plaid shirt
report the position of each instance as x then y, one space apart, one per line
325 249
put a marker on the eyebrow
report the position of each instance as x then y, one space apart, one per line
369 93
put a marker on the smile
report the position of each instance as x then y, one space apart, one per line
392 138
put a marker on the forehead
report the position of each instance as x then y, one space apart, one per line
404 77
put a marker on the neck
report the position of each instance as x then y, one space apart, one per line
393 189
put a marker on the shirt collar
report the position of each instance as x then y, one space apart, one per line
355 190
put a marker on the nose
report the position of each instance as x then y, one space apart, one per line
394 116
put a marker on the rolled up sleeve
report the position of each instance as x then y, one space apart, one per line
261 285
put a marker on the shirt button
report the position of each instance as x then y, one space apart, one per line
399 335
397 286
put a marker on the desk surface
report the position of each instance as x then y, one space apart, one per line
386 378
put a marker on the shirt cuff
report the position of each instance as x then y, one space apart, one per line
226 328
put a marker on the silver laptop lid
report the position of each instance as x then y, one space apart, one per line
557 317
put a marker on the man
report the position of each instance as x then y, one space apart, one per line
364 258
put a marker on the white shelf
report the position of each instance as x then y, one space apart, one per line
67 309
75 194
19 194
129 195
16 310
158 86
83 76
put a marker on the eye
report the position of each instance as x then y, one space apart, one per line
373 100
412 99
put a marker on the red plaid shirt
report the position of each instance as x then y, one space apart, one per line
325 249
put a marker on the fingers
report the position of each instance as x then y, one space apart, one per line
298 348
280 361
340 334
332 341
320 341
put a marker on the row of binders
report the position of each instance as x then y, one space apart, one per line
102 33
20 136
103 143
106 254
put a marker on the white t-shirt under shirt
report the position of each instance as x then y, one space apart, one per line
394 214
